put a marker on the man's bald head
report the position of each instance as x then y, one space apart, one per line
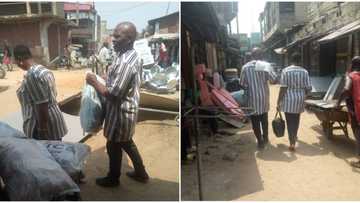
256 53
124 36
128 29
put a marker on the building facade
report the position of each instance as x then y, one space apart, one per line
275 21
88 30
39 25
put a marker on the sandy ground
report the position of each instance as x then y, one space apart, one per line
67 83
319 170
157 141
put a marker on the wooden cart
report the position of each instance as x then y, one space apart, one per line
331 118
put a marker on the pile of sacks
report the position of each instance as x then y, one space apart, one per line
34 170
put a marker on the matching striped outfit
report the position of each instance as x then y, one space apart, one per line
39 87
297 81
258 88
257 84
123 82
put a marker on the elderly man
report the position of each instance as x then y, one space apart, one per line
254 77
122 100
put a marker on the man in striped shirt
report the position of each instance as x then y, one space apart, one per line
295 84
122 93
42 118
255 79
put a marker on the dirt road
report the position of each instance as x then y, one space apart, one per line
157 141
319 170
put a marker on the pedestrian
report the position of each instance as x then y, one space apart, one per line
294 86
42 118
163 56
254 77
351 93
7 57
122 94
104 57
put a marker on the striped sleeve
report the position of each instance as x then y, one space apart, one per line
283 79
39 88
308 86
123 76
243 80
272 75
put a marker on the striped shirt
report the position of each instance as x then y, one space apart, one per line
39 87
297 81
256 82
123 82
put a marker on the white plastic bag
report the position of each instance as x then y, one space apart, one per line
91 111
70 156
30 173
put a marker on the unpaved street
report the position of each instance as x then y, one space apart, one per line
158 143
319 170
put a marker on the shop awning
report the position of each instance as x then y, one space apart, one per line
167 36
283 50
347 29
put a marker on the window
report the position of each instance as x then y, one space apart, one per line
323 20
287 7
314 25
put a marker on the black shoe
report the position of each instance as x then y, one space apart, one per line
140 178
261 145
107 182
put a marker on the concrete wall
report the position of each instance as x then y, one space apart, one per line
325 16
169 25
57 36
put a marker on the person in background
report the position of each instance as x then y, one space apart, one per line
122 94
42 118
295 85
7 56
163 56
255 78
104 56
351 93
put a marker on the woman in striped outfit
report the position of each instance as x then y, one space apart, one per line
295 85
42 118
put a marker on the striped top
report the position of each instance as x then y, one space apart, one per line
297 81
39 87
256 82
123 82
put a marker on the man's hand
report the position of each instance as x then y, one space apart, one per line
91 79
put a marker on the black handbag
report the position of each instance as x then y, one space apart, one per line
278 125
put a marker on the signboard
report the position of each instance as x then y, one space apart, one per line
143 49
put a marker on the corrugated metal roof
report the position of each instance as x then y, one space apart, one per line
351 27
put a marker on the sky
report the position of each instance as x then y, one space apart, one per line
135 11
248 15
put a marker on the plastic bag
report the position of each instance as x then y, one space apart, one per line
70 156
8 131
92 113
31 173
241 97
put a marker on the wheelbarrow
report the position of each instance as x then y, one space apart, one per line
331 118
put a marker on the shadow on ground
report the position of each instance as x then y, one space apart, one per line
234 178
97 166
